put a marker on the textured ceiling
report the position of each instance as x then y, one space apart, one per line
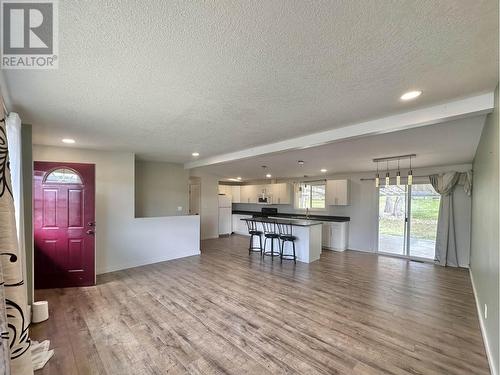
165 78
453 142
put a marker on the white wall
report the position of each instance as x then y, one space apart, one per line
160 189
209 211
363 209
484 242
123 241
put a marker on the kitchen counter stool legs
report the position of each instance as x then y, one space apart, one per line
271 233
253 231
286 235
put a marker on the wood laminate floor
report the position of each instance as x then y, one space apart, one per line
226 312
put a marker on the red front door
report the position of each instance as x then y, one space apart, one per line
64 224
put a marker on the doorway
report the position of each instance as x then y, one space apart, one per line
194 196
64 224
408 217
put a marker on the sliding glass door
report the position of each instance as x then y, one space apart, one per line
424 212
392 219
408 218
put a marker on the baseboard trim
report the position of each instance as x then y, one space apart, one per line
493 370
125 266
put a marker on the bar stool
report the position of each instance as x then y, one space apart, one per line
254 231
270 232
286 235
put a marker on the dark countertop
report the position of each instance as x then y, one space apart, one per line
297 216
298 223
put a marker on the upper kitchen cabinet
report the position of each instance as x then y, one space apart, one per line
248 194
231 190
338 192
236 193
281 193
225 189
268 193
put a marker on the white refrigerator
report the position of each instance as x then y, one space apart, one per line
225 215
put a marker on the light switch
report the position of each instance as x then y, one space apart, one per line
179 208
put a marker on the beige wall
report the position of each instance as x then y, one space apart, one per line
209 211
160 189
123 241
484 240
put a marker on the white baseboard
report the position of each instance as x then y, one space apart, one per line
493 370
133 264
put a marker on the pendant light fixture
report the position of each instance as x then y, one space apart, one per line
398 176
410 175
387 179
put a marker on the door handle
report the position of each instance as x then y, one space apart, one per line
90 231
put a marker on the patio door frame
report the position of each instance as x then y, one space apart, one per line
407 229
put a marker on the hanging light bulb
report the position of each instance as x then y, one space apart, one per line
398 176
377 178
410 175
387 179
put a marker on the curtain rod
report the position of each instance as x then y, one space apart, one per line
373 179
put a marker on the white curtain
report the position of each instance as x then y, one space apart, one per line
447 253
14 288
13 127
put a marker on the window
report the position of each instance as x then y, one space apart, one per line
63 176
310 195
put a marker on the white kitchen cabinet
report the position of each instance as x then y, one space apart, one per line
250 193
235 191
231 190
326 234
240 226
335 235
338 192
246 192
281 193
225 189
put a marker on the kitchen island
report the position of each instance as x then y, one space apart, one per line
307 232
334 231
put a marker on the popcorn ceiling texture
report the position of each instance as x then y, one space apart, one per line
166 78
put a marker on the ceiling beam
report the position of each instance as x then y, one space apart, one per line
471 106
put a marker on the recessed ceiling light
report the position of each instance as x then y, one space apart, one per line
68 140
268 175
195 154
323 170
411 95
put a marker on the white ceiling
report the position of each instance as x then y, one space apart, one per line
453 142
166 78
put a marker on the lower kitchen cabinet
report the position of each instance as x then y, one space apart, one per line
335 235
240 226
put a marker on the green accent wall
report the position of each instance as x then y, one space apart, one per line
484 236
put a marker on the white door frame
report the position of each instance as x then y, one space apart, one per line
407 232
